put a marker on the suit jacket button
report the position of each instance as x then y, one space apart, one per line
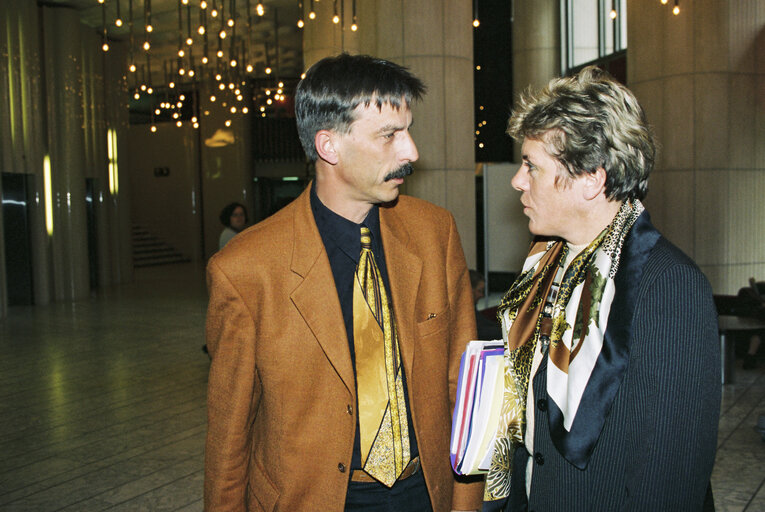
350 409
539 458
341 467
542 404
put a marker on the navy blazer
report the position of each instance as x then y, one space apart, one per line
657 446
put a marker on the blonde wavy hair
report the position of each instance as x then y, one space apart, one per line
588 121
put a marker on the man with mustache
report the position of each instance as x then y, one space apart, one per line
335 327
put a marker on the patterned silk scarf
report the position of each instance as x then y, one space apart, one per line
576 330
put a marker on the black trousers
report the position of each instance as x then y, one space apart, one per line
408 495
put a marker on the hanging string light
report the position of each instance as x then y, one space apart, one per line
335 17
105 44
131 57
300 22
613 12
676 8
118 20
354 25
311 13
476 22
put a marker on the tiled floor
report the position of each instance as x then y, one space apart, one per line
102 405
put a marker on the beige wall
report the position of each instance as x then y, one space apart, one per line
701 79
165 205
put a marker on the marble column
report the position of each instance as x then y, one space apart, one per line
66 144
536 46
701 78
434 40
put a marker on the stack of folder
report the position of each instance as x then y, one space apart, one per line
480 390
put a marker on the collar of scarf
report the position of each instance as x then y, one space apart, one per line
576 407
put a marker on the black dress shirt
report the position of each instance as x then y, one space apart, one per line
342 241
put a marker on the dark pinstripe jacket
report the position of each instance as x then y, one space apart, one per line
658 442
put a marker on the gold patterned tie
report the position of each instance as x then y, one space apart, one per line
382 408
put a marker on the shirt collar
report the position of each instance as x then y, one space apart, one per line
341 232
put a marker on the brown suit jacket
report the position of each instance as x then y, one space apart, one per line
282 396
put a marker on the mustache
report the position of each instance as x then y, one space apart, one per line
401 172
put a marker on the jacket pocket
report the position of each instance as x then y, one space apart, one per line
262 493
434 322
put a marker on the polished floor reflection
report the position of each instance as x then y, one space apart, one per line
102 405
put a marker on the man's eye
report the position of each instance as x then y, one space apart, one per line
389 135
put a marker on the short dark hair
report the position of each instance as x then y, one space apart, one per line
589 121
333 87
228 211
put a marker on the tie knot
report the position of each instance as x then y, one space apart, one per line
366 238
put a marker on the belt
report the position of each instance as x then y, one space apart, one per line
359 475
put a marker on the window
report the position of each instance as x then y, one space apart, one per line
591 31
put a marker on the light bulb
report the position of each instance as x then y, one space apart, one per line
118 22
136 96
220 54
181 53
201 30
146 45
203 4
676 10
335 19
260 9
312 15
233 63
281 84
249 68
218 77
228 122
245 110
354 27
157 112
300 23
214 13
233 110
105 47
181 71
189 41
268 70
196 125
230 22
182 97
205 60
222 86
153 128
143 87
132 68
171 85
212 99
476 23
222 34
179 123
613 14
149 28
191 72
150 90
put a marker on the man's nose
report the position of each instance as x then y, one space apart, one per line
409 150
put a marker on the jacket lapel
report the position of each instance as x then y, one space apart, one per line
404 269
316 296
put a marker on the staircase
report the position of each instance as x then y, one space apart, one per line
150 251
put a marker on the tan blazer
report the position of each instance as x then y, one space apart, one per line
282 396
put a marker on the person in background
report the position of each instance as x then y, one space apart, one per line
612 396
336 326
234 219
487 329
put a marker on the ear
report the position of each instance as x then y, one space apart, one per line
325 146
594 183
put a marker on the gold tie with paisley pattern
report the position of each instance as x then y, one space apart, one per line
382 408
